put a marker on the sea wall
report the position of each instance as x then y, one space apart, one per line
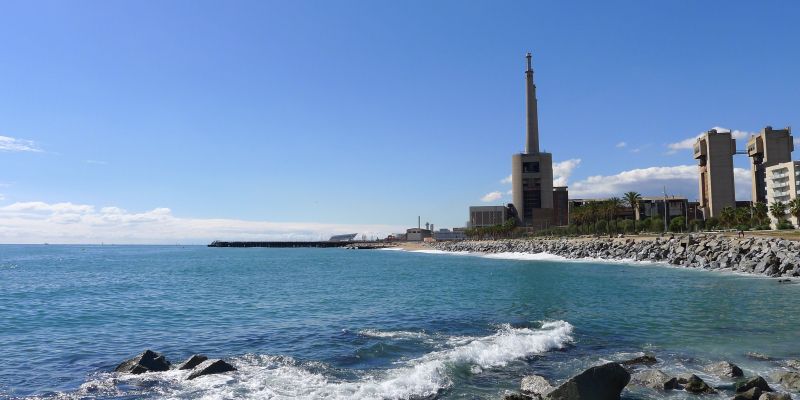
764 256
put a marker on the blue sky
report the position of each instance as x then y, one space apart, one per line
299 119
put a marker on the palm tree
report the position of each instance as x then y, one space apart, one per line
794 209
612 207
760 212
743 216
632 201
728 216
778 210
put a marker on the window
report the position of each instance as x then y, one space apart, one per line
532 166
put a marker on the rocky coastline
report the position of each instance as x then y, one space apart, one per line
771 257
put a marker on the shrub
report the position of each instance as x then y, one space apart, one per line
626 225
677 224
601 226
712 223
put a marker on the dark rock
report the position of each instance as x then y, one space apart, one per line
775 396
535 384
192 362
725 369
647 359
696 385
603 382
209 367
655 379
148 361
517 396
751 394
788 379
757 382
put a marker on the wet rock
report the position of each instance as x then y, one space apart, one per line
793 364
696 385
757 382
210 367
535 384
603 382
725 369
788 379
758 356
518 396
192 362
775 396
751 394
647 359
655 379
148 361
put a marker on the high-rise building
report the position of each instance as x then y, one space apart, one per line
770 147
783 185
714 152
532 171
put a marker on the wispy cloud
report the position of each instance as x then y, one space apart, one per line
491 196
8 143
688 143
563 170
621 145
680 180
506 180
37 222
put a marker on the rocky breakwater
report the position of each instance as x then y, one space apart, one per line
150 361
764 256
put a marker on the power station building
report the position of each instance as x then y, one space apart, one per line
714 152
532 171
770 147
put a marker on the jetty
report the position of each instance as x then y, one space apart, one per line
291 244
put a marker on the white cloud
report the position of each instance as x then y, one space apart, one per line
491 196
12 144
688 144
680 180
37 222
621 145
562 171
506 180
2 197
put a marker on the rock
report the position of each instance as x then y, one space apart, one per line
192 362
775 396
655 379
603 382
758 356
148 361
517 396
788 379
696 385
725 369
209 367
793 364
757 382
751 394
647 359
535 384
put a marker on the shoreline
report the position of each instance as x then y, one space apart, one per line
755 256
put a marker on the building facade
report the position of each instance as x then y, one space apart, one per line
560 206
483 216
447 235
714 152
770 147
783 185
532 171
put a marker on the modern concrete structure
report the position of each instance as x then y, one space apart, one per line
445 234
417 234
770 147
560 206
532 171
714 152
783 184
483 216
654 207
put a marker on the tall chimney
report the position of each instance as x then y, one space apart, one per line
532 114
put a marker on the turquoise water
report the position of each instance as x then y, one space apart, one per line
335 323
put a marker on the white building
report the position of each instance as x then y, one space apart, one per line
783 184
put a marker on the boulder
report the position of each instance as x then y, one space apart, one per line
788 379
696 385
655 379
210 367
535 384
647 359
148 361
751 394
725 369
517 396
775 396
757 382
603 382
192 362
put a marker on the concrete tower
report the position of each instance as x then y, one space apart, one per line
714 152
770 147
532 171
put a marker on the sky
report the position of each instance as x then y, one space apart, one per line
190 121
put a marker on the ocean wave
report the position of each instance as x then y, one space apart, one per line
275 377
375 333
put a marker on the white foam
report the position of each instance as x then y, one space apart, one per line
268 377
390 248
452 253
524 256
392 334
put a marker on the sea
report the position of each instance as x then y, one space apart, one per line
367 324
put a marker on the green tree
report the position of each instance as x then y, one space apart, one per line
632 199
727 217
712 223
743 217
794 209
628 226
601 226
677 224
760 213
778 211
